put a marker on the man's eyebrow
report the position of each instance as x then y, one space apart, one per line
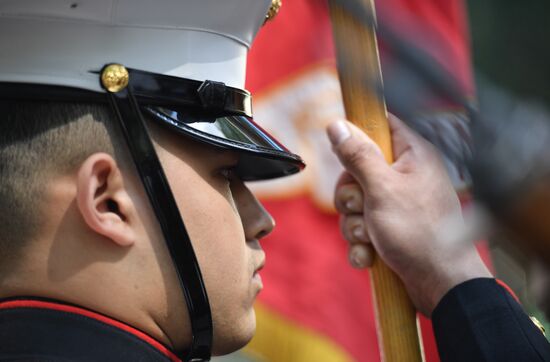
228 155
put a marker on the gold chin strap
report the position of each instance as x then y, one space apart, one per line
273 10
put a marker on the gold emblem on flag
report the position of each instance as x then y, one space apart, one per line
273 9
115 77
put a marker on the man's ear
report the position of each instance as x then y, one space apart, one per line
103 200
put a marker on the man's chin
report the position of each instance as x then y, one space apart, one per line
235 339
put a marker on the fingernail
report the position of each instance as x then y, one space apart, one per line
352 204
338 132
358 257
359 233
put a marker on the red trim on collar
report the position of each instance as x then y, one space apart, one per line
508 289
87 313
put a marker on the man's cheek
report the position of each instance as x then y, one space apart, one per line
218 234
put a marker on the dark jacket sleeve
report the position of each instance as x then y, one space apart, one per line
479 320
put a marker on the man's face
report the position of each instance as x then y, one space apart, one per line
225 223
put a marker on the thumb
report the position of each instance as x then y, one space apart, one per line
357 152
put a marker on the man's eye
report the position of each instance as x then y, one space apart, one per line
228 172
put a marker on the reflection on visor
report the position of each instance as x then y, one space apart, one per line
232 128
263 157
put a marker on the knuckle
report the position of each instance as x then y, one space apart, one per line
340 200
357 154
352 221
343 224
349 198
345 228
355 229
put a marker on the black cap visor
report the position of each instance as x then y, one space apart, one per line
262 156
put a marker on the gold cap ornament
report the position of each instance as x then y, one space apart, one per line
273 9
115 77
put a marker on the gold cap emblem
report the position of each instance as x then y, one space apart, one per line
115 77
273 9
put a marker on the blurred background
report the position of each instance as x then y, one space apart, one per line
492 53
510 54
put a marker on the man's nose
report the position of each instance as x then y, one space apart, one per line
257 222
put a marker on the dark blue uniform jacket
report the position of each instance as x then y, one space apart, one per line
47 331
476 321
480 321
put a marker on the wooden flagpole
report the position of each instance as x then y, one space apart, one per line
361 82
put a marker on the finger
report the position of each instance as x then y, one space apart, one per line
410 149
345 178
353 229
403 137
399 128
357 152
361 252
361 255
348 198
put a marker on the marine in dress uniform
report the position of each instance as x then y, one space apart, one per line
178 63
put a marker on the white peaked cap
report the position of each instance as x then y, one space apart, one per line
61 41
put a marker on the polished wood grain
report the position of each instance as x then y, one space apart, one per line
361 81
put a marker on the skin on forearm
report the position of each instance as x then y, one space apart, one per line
426 293
451 260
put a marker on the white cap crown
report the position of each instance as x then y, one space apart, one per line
60 42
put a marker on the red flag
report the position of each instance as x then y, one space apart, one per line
315 307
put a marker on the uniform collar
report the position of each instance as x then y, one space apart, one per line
31 327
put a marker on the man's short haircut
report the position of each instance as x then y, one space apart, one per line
39 140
